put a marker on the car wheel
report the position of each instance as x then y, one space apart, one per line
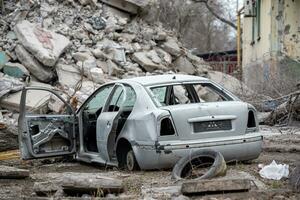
188 166
131 163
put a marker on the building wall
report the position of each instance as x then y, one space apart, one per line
291 32
270 58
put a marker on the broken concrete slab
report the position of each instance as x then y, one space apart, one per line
171 46
166 57
3 59
108 49
45 45
149 61
9 84
161 192
55 104
182 64
113 69
16 70
36 100
46 188
39 71
130 6
215 186
68 75
7 172
82 56
89 183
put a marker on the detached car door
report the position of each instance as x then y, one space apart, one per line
46 135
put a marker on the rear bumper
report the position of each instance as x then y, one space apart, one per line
167 153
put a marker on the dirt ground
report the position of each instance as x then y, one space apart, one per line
280 144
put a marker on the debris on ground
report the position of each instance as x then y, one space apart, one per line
9 84
36 101
274 171
13 173
78 184
286 112
215 186
294 178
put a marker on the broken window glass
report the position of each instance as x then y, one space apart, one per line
207 93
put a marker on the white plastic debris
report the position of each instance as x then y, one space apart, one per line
274 171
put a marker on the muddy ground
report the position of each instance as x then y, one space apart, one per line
280 144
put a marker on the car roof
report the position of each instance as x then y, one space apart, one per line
164 79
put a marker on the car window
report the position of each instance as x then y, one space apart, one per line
207 93
116 99
99 99
160 94
130 97
117 102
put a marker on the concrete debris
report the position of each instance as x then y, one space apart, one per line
13 173
80 47
108 49
55 104
45 45
130 6
36 101
149 61
9 85
46 188
42 73
171 46
167 192
83 183
16 70
182 64
82 56
68 75
216 186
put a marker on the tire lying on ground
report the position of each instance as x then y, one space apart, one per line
204 157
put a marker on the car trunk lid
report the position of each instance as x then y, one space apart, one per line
209 120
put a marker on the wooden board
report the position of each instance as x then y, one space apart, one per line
216 186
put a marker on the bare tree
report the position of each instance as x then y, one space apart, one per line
214 13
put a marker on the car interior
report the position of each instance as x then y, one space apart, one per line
94 108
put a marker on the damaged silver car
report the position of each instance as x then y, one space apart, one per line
146 122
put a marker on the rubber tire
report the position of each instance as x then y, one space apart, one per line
130 161
218 167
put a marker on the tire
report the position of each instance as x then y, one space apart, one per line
130 160
184 166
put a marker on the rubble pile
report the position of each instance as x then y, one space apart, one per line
77 45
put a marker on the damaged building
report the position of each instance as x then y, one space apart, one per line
271 45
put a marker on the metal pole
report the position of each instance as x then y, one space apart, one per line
239 41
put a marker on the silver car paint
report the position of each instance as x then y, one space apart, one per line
153 151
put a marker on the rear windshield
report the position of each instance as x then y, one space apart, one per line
167 95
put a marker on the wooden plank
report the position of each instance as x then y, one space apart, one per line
7 172
215 186
94 185
10 155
